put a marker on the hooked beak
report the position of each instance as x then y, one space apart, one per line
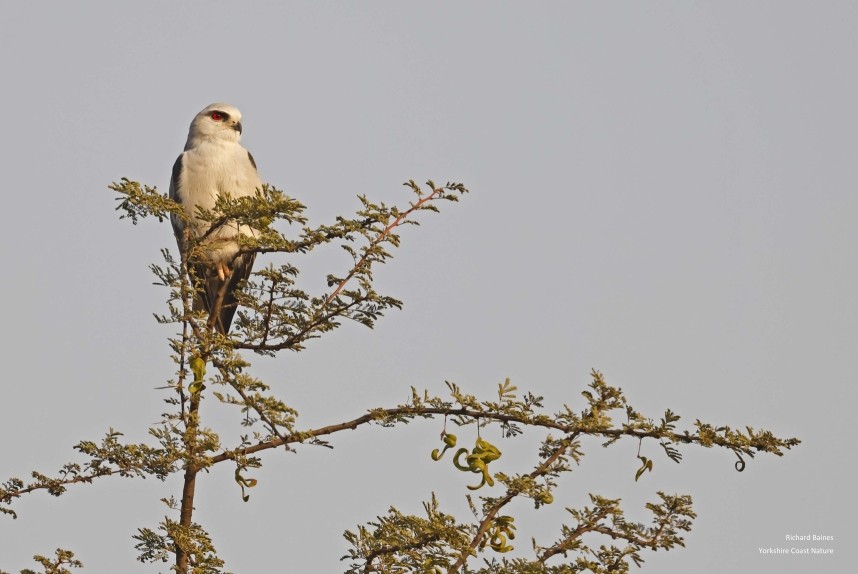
237 127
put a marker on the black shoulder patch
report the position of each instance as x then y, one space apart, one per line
250 157
177 172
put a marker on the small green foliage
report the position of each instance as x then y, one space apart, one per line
159 546
139 201
427 544
671 517
110 457
672 514
56 565
403 543
274 315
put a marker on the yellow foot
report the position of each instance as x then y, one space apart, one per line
223 270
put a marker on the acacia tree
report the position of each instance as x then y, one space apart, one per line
276 315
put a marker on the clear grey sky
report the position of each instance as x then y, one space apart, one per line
664 191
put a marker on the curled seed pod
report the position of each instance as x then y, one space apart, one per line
545 497
449 442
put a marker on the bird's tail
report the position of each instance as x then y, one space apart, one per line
214 293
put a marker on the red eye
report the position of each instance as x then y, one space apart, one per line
217 116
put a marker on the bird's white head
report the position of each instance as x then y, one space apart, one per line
219 122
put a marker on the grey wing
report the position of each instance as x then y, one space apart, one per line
206 282
176 195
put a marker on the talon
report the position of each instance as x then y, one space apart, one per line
223 271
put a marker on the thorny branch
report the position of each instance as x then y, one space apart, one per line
762 443
511 493
382 235
276 316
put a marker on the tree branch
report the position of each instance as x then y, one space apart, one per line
428 412
435 194
511 493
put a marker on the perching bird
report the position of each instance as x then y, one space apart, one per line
214 164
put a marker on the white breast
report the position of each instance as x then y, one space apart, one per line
217 168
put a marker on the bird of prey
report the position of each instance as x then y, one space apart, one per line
214 164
